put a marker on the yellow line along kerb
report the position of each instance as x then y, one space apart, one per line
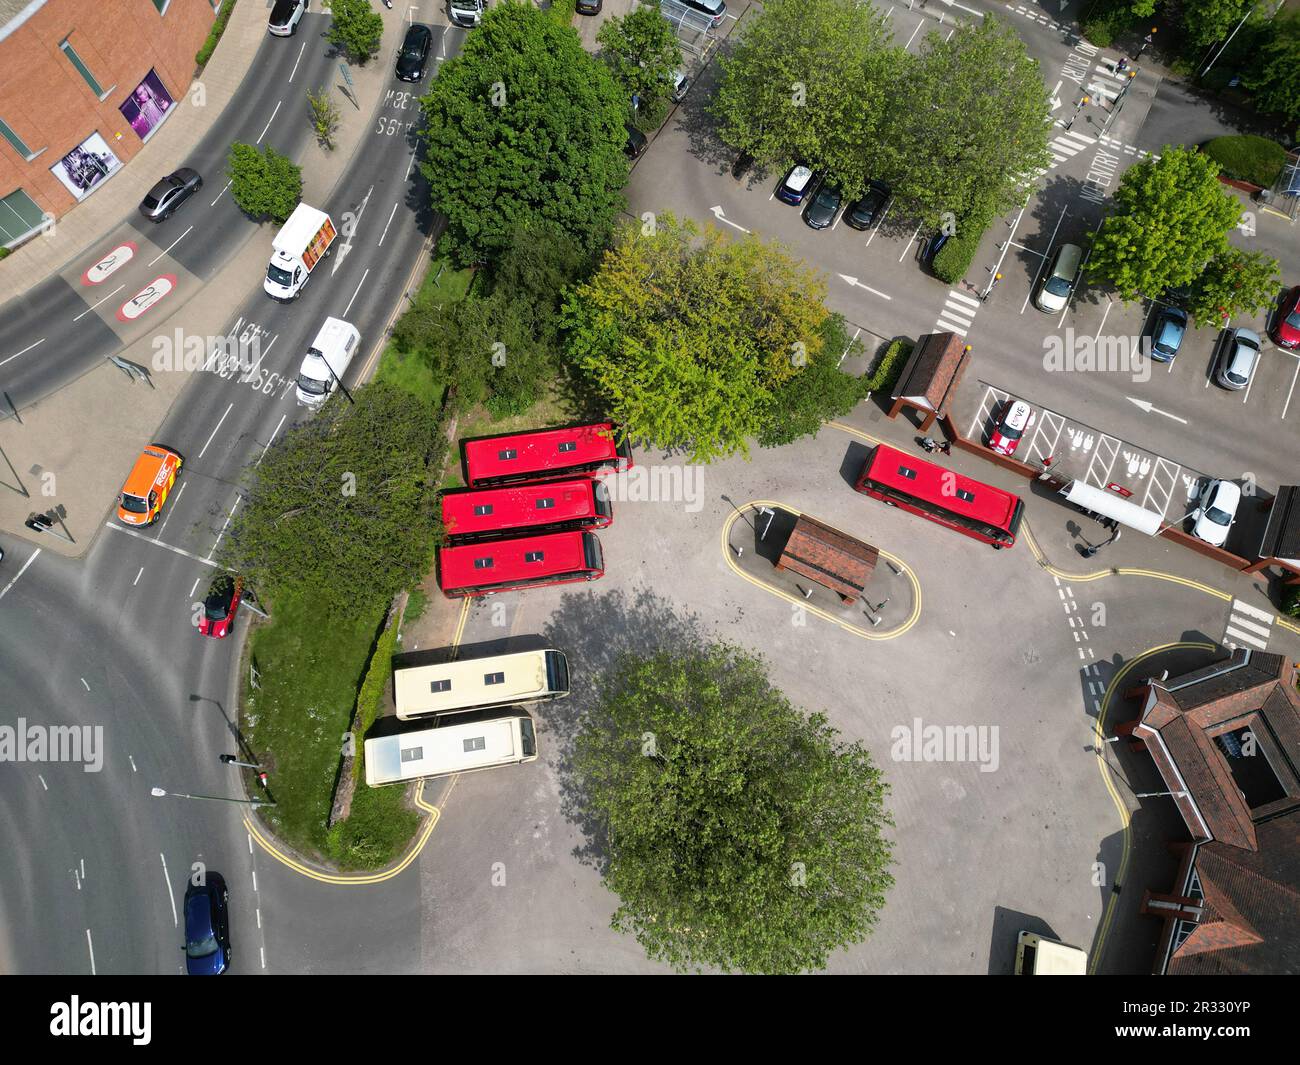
890 634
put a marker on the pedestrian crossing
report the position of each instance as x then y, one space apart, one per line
1248 625
1106 83
1068 144
958 313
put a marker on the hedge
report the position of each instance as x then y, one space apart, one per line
372 688
1247 158
1291 600
955 257
214 35
890 366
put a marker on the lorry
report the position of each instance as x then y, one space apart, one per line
303 241
1039 956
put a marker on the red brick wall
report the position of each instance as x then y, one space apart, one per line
48 104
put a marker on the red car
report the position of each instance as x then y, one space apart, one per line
1010 427
1286 331
220 605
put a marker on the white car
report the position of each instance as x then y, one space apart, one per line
1216 512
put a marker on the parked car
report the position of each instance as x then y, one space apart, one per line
1216 511
636 142
589 7
741 166
1286 330
933 246
823 206
863 212
220 605
798 183
1168 328
1016 417
467 13
715 9
1238 357
414 53
1058 282
207 927
285 16
165 198
147 485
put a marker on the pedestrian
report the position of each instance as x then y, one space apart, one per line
1121 66
946 447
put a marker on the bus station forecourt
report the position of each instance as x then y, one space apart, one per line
1030 826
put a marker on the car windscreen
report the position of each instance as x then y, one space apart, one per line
151 201
1058 286
312 386
1293 319
279 276
1010 433
1169 337
1219 517
216 607
134 504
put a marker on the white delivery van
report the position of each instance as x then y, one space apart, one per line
1039 956
438 752
303 241
326 361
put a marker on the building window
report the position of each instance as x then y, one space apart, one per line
84 70
19 216
19 145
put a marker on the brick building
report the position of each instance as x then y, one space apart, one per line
1226 740
83 84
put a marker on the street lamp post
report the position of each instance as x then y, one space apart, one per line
1148 39
1083 100
159 793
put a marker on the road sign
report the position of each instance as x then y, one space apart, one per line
347 74
1119 489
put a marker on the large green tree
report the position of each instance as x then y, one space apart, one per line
819 392
523 128
642 52
741 834
343 507
356 29
1208 21
265 184
970 124
811 80
689 336
1235 284
1171 217
1273 74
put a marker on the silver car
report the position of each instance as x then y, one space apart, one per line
163 200
1238 357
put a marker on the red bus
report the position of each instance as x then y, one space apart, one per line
944 496
521 562
557 452
474 514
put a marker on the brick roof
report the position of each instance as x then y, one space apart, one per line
833 559
934 369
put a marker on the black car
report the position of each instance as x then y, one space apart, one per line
636 142
863 212
934 245
207 927
741 166
823 206
589 7
163 200
414 53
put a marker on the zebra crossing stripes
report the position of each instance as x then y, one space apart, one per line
1105 83
1067 144
958 313
1248 625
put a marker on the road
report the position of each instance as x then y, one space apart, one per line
117 630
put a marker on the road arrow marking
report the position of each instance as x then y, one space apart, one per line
858 284
717 213
1056 100
1147 408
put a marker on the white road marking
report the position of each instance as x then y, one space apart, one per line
218 425
42 780
855 283
909 244
98 302
876 228
1287 405
223 530
170 511
268 122
131 758
1239 607
171 895
354 295
30 559
159 543
137 577
1149 408
297 61
84 684
23 352
169 247
90 945
386 225
220 194
269 442
194 586
1244 638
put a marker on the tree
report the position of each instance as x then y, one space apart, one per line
324 115
822 391
1208 21
1235 284
265 184
356 29
810 80
688 335
1271 75
970 124
642 53
344 507
523 128
1171 217
741 834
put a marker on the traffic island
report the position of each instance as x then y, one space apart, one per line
821 570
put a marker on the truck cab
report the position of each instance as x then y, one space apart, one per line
326 361
466 12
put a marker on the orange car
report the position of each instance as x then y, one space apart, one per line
147 485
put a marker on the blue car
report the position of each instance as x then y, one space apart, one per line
1167 331
799 181
207 927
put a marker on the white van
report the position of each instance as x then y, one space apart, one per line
439 752
326 361
1039 956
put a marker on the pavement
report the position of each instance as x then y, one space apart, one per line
61 450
